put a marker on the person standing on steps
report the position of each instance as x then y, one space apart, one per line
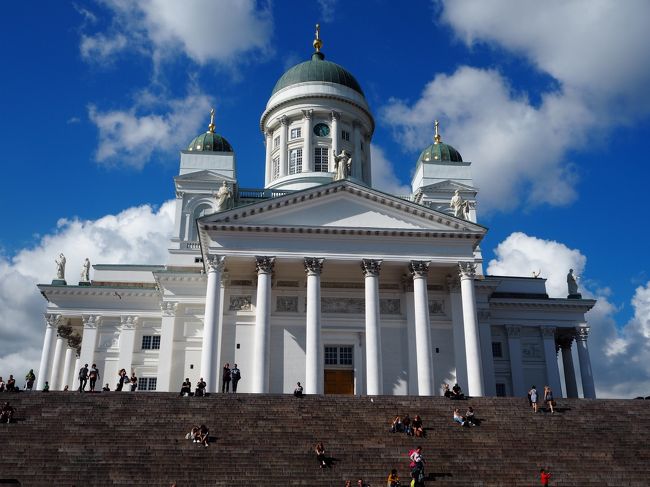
93 375
544 477
83 378
235 375
548 399
123 378
533 398
29 379
134 382
225 377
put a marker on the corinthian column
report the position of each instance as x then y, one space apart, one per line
550 357
127 342
57 363
420 270
308 152
46 356
89 339
284 129
374 375
313 346
470 324
567 364
336 137
268 141
588 389
209 367
262 347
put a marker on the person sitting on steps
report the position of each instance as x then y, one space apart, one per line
298 390
445 390
470 419
397 426
200 388
417 427
459 418
320 454
457 392
393 479
186 388
6 413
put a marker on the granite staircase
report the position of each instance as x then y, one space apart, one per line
138 439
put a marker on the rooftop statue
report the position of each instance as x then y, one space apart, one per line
85 270
224 197
572 283
459 206
60 267
342 165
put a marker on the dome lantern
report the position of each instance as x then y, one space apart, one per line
209 141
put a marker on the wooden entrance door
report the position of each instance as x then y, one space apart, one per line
339 381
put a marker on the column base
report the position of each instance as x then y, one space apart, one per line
574 296
59 282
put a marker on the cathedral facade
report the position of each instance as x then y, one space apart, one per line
318 277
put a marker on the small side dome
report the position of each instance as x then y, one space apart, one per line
439 151
209 141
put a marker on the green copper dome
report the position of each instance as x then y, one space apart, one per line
318 69
439 151
209 142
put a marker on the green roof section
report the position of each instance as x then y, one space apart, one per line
439 151
318 69
209 142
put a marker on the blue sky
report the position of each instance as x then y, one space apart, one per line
549 101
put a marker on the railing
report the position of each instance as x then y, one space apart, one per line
259 194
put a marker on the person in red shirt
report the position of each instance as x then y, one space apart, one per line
545 477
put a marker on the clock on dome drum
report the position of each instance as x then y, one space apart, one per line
321 129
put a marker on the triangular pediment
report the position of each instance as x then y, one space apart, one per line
204 175
343 204
448 186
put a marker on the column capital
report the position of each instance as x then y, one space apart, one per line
467 270
548 332
180 194
513 331
419 268
64 330
215 263
582 333
565 341
268 133
264 264
371 267
334 115
91 321
284 120
169 308
453 284
313 266
52 319
308 114
74 342
128 322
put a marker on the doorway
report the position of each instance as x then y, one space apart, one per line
339 370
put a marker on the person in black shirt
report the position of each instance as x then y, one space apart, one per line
225 386
186 388
83 378
235 375
200 388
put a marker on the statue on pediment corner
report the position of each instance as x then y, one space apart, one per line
60 266
85 270
223 197
459 206
342 165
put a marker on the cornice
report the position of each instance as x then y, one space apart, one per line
116 292
583 305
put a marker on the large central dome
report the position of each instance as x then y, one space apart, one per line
318 69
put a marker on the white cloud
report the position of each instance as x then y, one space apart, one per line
613 349
204 30
383 174
327 9
602 78
136 235
131 137
100 47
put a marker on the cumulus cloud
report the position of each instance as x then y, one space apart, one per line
612 348
383 173
204 30
133 135
136 235
327 9
601 79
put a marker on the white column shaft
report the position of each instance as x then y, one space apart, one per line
516 364
588 389
127 346
472 344
46 357
409 299
68 368
308 151
458 332
336 137
268 175
166 354
313 347
57 364
423 336
569 372
88 345
550 357
356 158
374 375
210 370
75 374
262 348
284 169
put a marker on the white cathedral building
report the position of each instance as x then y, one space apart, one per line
318 277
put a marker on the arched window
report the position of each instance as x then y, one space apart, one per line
201 209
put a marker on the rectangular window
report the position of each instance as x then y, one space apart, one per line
276 167
345 135
276 142
331 355
151 342
345 356
295 161
296 133
496 350
147 383
501 390
321 159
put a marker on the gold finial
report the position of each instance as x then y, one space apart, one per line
436 138
317 42
211 126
